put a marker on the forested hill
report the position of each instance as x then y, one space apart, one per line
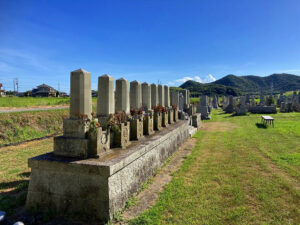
198 89
254 84
236 85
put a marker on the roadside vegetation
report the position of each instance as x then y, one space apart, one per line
24 102
22 126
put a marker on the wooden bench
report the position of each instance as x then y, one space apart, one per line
267 120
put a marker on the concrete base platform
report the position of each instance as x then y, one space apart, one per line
97 188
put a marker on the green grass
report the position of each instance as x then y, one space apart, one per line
31 101
21 126
14 173
239 173
244 175
22 102
194 100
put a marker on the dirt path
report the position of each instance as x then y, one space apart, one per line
32 108
148 197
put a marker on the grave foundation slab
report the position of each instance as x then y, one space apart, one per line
98 188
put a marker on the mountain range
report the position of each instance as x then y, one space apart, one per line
236 85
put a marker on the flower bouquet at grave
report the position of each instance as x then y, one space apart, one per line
118 125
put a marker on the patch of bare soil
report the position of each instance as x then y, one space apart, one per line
148 197
218 126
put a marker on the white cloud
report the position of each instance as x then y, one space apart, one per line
207 79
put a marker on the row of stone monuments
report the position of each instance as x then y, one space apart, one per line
102 159
289 104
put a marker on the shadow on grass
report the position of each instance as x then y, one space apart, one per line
261 125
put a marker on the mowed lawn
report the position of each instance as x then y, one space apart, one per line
238 173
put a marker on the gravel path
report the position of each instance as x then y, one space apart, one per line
31 109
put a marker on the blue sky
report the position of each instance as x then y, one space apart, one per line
165 40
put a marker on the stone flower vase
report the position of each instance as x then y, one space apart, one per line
148 124
170 116
121 135
164 121
136 127
157 121
95 146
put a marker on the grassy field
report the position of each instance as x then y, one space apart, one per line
23 102
30 101
21 126
238 173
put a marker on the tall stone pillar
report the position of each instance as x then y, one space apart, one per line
106 99
161 95
154 95
175 98
146 96
80 95
74 143
135 95
122 95
167 96
185 98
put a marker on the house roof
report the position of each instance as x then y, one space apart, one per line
45 85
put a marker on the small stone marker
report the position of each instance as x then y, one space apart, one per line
146 96
185 98
122 95
154 95
135 95
161 95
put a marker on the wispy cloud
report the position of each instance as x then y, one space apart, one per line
207 79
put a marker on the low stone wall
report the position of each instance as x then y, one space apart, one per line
100 187
262 109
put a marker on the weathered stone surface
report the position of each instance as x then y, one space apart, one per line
175 99
146 96
230 108
157 121
154 95
135 95
71 147
98 188
170 116
203 111
106 96
262 109
161 95
185 98
75 128
196 120
136 129
175 114
80 94
122 95
164 120
121 138
148 124
167 96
